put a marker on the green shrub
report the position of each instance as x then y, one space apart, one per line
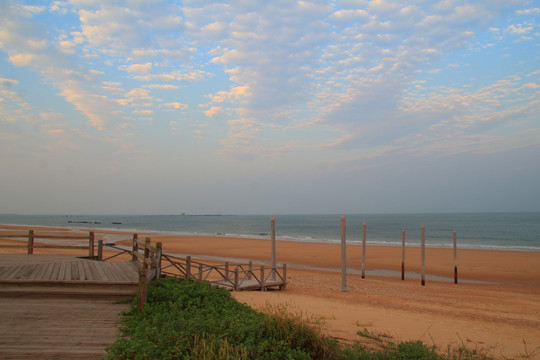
185 319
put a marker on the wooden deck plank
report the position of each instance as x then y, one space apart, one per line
96 273
35 273
101 271
125 271
121 271
74 271
67 273
81 271
66 329
25 271
14 270
55 271
61 271
41 270
48 273
109 273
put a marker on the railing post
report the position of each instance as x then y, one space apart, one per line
146 251
250 267
236 279
227 270
91 244
200 272
135 247
188 267
100 250
159 251
30 241
142 287
262 278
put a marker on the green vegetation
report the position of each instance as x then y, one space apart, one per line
191 320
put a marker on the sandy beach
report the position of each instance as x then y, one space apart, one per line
495 306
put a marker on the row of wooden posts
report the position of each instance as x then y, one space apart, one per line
344 252
422 254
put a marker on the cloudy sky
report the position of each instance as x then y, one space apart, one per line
269 107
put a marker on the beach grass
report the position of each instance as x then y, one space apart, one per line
185 319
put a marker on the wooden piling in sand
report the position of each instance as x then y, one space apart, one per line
273 237
455 259
363 250
402 254
343 256
423 254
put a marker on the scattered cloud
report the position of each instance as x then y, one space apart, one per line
177 105
140 68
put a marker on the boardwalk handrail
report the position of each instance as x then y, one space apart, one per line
148 263
231 276
31 245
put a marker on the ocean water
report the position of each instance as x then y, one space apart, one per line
505 231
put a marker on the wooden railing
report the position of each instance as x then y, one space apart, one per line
147 259
232 276
31 236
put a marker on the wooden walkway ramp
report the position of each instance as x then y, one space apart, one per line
61 307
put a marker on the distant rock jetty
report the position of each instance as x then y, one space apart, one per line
91 222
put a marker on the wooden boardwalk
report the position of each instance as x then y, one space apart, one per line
45 275
61 307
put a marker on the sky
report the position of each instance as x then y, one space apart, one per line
269 107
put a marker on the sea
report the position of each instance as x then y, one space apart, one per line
499 231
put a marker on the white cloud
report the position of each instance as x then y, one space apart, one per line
531 11
7 83
195 75
22 59
177 105
140 68
214 111
518 29
143 112
162 86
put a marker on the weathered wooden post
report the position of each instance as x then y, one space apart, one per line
200 272
159 252
363 250
30 242
423 255
250 267
284 277
402 254
100 250
273 237
146 251
188 267
263 288
455 258
343 255
135 247
227 270
236 279
142 286
91 244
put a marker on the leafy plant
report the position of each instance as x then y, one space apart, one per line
185 319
